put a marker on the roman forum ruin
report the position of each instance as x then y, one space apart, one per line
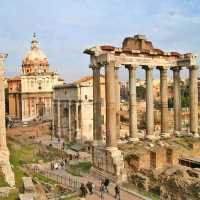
137 52
4 152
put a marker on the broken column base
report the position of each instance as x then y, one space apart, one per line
165 135
134 139
152 137
109 163
6 167
196 135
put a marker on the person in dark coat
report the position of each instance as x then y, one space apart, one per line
83 190
117 192
106 184
89 187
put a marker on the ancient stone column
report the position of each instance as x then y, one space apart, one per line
111 137
4 152
97 121
77 122
69 121
117 99
149 103
59 124
132 103
193 91
164 100
177 99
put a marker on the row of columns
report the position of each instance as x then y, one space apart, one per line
112 99
69 103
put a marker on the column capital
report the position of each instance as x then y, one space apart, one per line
176 68
95 66
194 67
148 67
131 67
164 68
110 63
2 60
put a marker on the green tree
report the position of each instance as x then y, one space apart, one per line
141 92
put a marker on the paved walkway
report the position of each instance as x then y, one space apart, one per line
124 194
110 196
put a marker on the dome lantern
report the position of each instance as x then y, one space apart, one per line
35 60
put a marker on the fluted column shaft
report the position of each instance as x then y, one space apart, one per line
59 124
3 144
97 130
69 121
117 96
111 137
77 122
177 99
149 102
164 100
193 90
132 102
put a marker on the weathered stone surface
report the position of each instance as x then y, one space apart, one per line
180 184
4 152
4 191
141 181
109 161
27 196
28 184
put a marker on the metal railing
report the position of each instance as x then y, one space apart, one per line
67 181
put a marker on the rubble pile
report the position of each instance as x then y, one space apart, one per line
180 183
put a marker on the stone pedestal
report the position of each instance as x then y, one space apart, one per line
4 152
109 163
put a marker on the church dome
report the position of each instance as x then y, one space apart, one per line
35 59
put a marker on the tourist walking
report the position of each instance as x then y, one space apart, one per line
106 183
83 190
102 189
89 187
117 192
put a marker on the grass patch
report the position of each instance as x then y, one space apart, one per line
23 154
12 196
18 178
81 167
2 180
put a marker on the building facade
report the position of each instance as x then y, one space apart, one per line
31 94
73 109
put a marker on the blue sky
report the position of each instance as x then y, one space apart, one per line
66 27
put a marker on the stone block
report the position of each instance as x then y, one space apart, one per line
28 184
110 162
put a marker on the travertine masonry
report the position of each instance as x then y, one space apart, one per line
4 152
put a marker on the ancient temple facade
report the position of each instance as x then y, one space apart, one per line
137 52
31 94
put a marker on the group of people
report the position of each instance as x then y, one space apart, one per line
104 188
87 189
59 165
